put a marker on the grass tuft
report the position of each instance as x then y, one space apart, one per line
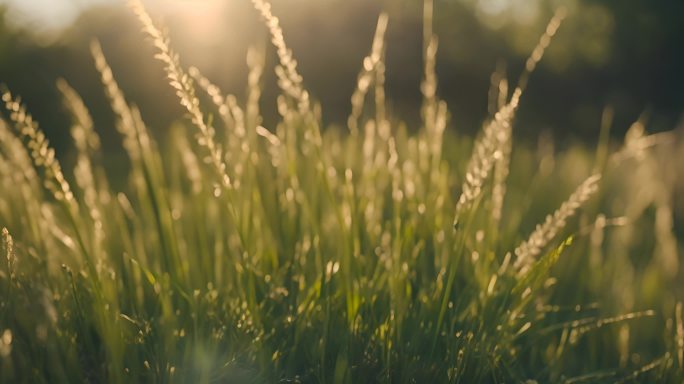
237 252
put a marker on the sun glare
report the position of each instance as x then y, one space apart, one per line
201 19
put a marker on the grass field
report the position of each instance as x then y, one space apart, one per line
293 253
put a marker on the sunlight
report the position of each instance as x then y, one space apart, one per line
201 20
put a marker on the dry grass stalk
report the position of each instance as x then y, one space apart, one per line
545 232
365 77
289 80
492 146
185 91
85 138
16 154
124 124
39 148
8 246
87 142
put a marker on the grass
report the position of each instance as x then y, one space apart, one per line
293 253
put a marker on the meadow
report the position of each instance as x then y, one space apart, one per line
298 253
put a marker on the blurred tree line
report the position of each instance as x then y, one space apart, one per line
627 54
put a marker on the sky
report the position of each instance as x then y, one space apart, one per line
51 14
48 14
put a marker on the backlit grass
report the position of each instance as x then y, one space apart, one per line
293 253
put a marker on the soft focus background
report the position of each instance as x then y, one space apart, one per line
623 54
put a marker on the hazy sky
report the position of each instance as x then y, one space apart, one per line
46 14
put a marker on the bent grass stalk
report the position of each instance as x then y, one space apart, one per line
185 91
545 232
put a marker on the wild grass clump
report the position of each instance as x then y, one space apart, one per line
294 253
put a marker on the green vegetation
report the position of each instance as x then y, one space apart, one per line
297 254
